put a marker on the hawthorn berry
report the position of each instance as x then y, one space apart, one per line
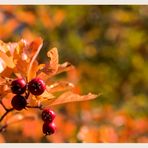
48 115
18 86
18 102
49 128
36 86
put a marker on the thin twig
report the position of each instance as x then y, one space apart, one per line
37 107
27 95
8 110
3 116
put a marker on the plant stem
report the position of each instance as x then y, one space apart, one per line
3 116
38 107
27 95
7 111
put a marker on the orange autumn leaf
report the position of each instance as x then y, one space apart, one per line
45 18
35 47
51 67
11 25
20 70
66 66
54 60
45 70
7 59
45 95
33 70
4 47
8 8
59 86
26 17
2 65
70 96
59 17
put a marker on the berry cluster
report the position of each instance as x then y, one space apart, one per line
36 86
19 86
48 127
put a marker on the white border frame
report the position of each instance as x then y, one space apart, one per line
72 145
75 2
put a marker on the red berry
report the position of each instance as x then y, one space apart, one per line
49 128
18 86
48 115
18 102
36 86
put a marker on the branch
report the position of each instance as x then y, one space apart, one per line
7 111
37 107
27 95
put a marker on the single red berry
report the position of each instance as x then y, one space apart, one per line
18 102
49 128
18 86
36 86
48 115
